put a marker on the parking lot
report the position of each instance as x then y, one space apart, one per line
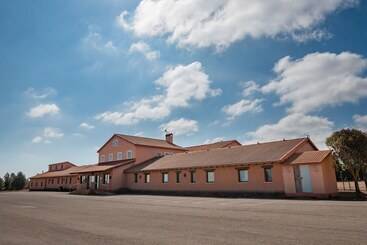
60 218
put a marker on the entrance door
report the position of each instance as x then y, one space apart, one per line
305 178
297 178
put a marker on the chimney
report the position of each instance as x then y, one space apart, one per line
169 138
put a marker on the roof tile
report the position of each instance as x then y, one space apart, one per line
219 144
308 157
245 154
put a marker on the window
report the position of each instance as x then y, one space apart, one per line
120 156
178 175
110 157
115 142
268 174
146 177
129 154
136 178
164 177
101 158
82 180
210 176
192 176
91 179
106 179
70 180
243 175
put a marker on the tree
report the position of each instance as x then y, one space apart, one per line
19 181
349 146
1 184
12 179
6 181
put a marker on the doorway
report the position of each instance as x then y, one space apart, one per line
302 178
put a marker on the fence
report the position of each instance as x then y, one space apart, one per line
348 186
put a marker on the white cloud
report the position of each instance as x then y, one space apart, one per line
319 80
43 110
94 41
181 126
121 20
48 135
52 133
85 125
40 94
317 35
242 107
249 88
37 139
219 23
360 121
144 49
295 126
210 141
182 85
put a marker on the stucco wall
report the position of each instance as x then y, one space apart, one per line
322 177
45 184
226 179
123 146
144 153
329 175
289 181
140 153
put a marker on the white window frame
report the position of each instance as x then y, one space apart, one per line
119 155
101 158
129 154
92 179
106 180
210 176
147 178
165 177
110 157
243 178
270 169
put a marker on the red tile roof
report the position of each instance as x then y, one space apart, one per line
139 166
137 140
308 157
219 144
101 167
61 173
267 152
65 162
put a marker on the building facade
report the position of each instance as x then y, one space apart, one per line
286 167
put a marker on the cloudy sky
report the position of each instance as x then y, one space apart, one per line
72 73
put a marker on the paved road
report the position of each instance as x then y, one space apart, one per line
60 218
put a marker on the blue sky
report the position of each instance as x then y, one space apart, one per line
72 73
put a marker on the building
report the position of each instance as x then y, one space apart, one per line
285 167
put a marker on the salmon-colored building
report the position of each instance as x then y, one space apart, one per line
285 167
